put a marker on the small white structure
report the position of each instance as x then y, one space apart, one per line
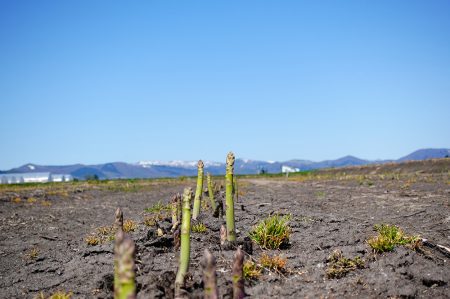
61 178
288 169
35 177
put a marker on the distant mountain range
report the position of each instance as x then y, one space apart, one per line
156 169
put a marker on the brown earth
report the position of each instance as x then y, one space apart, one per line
334 209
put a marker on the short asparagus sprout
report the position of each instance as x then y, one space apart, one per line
198 191
124 268
235 189
209 276
175 207
223 235
185 240
238 275
118 223
231 232
211 191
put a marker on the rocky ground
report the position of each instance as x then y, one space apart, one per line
44 229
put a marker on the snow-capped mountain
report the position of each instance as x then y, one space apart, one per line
175 168
176 163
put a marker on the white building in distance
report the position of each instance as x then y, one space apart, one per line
288 169
35 177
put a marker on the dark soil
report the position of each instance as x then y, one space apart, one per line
333 210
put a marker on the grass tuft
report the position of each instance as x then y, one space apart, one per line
339 265
16 200
390 236
158 208
31 200
57 295
272 232
275 262
92 240
46 203
129 226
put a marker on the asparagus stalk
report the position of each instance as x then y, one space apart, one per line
209 276
198 191
174 210
185 239
118 225
179 209
238 275
235 189
211 192
229 202
223 235
124 275
118 222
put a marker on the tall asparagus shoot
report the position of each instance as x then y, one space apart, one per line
124 275
118 225
238 275
209 276
211 192
185 239
198 191
229 202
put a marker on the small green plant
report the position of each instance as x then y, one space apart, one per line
46 203
390 236
339 265
31 200
272 232
150 221
199 228
16 200
320 194
32 254
251 270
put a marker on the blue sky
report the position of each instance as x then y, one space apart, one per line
102 81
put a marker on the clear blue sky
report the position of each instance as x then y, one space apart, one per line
102 81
